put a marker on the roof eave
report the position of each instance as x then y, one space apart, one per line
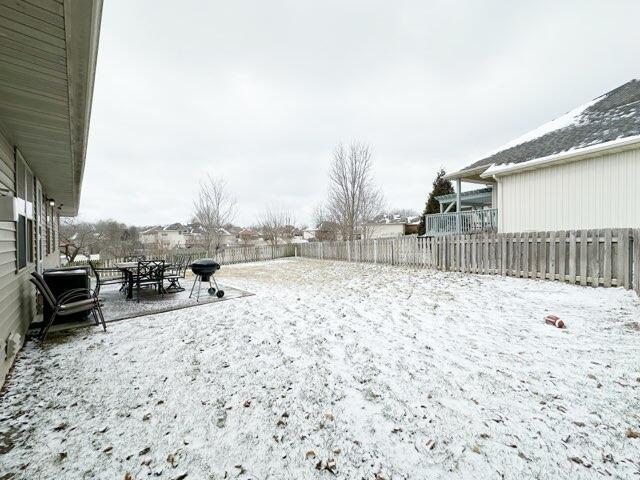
471 175
82 30
564 157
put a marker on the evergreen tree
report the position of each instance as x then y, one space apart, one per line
440 187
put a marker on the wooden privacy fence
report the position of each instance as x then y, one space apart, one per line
587 257
226 256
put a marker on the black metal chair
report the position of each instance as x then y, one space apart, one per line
176 272
149 274
73 301
108 276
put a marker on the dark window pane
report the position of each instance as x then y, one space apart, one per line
22 237
29 241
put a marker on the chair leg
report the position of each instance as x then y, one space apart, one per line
95 317
45 327
104 325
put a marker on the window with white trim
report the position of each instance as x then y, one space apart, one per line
25 186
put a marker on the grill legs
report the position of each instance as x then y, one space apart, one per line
212 289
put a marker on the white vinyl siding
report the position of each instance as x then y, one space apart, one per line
17 300
599 192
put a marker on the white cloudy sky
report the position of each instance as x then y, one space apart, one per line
260 92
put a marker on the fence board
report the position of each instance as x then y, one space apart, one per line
595 257
562 255
593 260
624 254
584 234
552 256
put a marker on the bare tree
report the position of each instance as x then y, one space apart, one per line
277 223
353 196
213 208
326 229
76 238
115 239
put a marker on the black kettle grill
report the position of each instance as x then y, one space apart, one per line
204 270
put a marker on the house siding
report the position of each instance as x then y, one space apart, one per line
598 192
17 295
17 305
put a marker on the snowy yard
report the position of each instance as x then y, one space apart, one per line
337 370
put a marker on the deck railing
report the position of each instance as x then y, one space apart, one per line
456 223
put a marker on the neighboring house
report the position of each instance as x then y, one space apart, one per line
233 230
309 234
178 235
168 237
579 171
385 226
196 236
47 75
229 239
248 236
326 231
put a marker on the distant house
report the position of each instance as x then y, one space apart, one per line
579 171
309 234
46 86
233 230
247 236
227 238
194 235
324 232
178 235
168 237
391 226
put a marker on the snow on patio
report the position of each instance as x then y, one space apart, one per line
337 370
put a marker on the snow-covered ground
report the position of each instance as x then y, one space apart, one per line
336 370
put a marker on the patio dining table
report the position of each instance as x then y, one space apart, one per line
130 269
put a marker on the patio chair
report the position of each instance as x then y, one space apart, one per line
108 276
149 274
73 301
175 272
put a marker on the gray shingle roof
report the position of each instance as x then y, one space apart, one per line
612 116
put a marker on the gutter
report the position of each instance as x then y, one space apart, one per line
463 173
600 149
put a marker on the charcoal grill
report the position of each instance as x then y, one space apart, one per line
204 270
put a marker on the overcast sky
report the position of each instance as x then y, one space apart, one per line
260 92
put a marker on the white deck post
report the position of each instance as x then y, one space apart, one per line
458 203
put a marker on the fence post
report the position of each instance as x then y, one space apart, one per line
375 251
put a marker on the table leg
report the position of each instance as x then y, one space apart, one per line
129 285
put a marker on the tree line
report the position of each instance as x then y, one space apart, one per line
352 201
107 237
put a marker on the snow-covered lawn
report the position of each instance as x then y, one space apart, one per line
337 370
